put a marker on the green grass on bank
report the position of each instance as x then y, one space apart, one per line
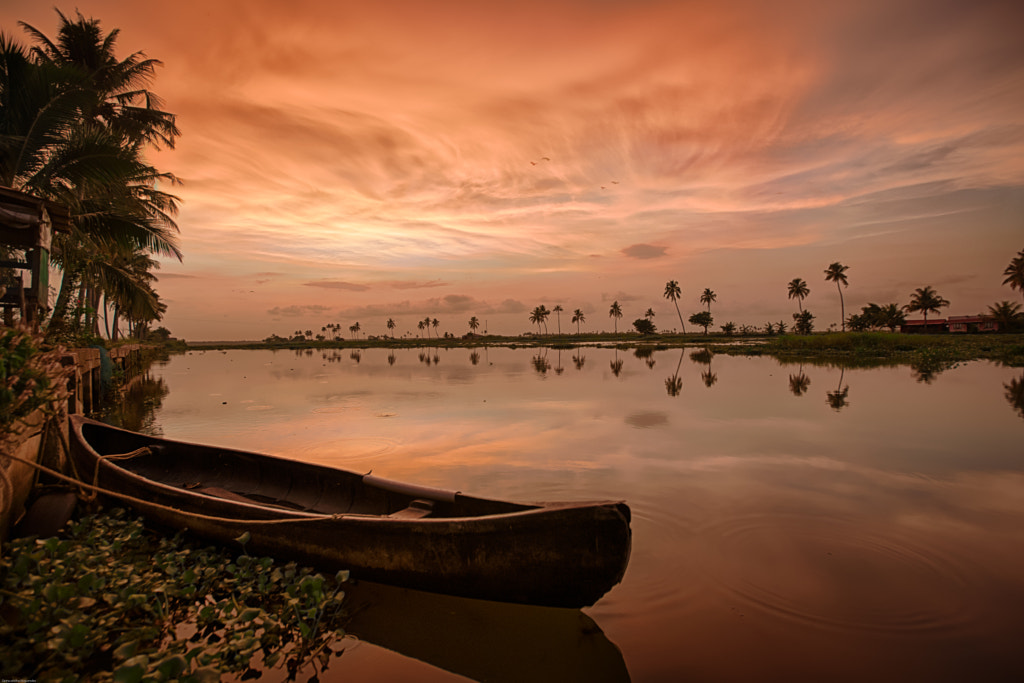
1007 348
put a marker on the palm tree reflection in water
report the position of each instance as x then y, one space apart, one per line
540 362
1015 395
799 383
837 399
704 357
616 364
674 384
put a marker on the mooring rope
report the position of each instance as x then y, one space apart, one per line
111 456
96 489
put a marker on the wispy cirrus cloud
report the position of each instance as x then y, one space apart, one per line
299 311
540 148
337 284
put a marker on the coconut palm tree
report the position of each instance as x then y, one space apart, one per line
926 300
1015 272
391 327
120 102
75 123
707 297
537 317
891 316
615 312
798 290
118 116
544 313
578 317
474 323
836 272
125 281
1007 314
434 323
649 314
421 325
354 329
672 293
558 314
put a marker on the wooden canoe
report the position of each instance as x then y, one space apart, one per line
553 554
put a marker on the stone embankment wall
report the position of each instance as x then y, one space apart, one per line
90 370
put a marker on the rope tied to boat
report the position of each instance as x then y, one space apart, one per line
91 496
95 489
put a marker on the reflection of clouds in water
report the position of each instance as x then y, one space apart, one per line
738 494
645 420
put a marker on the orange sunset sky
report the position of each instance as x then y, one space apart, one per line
354 161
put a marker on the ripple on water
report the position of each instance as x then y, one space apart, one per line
836 574
661 556
350 450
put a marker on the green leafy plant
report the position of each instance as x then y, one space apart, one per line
114 601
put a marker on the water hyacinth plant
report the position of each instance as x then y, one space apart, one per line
110 600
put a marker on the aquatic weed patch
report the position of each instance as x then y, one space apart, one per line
111 600
854 349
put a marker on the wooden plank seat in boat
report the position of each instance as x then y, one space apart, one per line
218 492
417 509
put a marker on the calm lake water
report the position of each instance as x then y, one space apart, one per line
789 522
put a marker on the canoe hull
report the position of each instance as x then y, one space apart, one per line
556 554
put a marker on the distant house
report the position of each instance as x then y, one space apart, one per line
972 323
934 326
957 324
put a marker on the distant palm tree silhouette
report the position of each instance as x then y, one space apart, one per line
615 312
798 290
926 299
558 313
578 317
836 273
672 293
707 297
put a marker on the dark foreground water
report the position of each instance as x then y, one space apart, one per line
790 522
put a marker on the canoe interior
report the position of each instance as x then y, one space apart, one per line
285 485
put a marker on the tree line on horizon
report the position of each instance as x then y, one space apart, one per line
873 316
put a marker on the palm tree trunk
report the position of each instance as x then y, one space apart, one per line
94 310
58 318
680 315
106 320
842 307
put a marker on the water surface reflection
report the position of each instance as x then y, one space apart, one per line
873 532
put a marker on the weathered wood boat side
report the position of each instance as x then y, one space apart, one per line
554 554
